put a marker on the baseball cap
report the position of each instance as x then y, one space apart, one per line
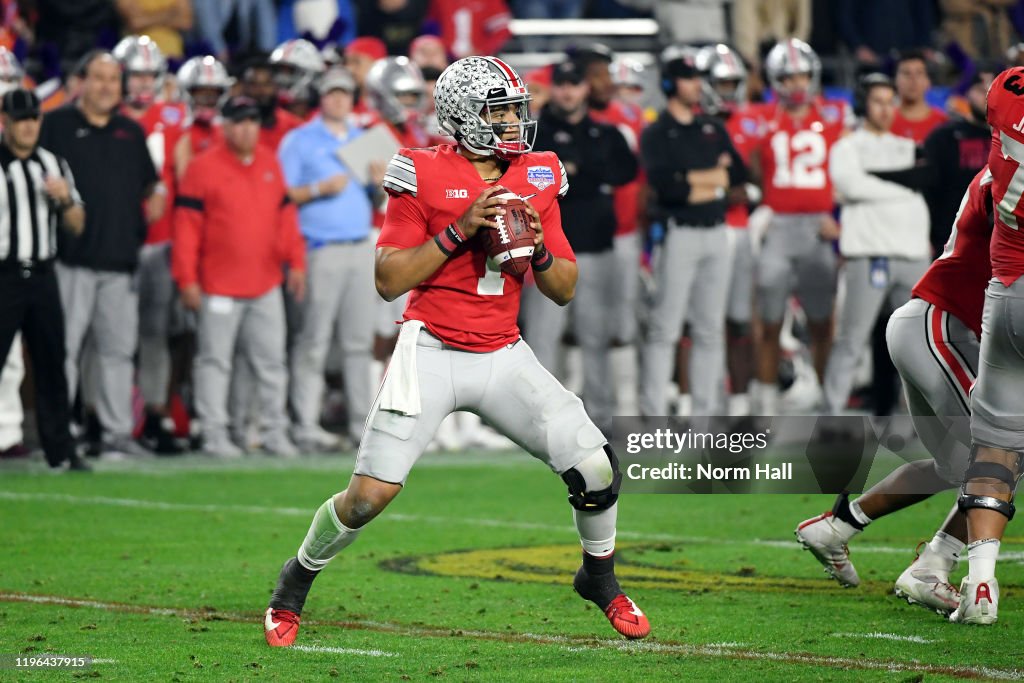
239 108
337 78
567 72
373 48
21 104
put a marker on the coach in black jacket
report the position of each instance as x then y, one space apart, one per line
597 159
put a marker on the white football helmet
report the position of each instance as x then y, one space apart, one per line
627 72
390 79
470 85
788 58
725 79
297 65
140 55
11 71
204 73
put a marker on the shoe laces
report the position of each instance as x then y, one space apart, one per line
622 606
283 615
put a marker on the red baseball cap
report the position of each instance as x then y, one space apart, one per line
369 46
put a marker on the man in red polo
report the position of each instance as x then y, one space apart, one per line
234 232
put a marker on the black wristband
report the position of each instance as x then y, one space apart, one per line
449 239
542 259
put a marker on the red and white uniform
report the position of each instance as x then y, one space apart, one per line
744 128
162 124
956 281
472 27
1005 116
794 156
918 130
466 303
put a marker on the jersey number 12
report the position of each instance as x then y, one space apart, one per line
799 160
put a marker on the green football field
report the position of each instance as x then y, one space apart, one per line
161 571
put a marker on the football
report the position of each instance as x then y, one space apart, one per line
511 243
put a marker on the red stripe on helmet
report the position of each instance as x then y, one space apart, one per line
509 72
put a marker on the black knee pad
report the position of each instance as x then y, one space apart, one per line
989 470
593 501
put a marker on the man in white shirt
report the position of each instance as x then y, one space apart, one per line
885 227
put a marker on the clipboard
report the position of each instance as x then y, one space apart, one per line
376 144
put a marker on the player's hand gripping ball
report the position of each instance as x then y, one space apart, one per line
511 243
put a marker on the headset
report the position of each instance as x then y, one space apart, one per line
864 85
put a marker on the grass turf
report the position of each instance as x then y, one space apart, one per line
465 577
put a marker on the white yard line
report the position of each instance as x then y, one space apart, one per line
434 519
877 635
575 644
344 651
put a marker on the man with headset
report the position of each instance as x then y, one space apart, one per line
691 165
885 222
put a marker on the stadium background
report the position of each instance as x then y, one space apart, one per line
159 566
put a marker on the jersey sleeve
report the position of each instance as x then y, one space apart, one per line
400 175
405 223
563 187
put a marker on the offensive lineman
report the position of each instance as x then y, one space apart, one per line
933 340
997 427
459 347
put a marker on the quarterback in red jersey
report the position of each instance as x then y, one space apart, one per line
459 348
933 340
997 423
797 134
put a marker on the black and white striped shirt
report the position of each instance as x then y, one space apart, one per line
28 217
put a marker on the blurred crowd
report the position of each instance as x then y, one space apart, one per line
289 231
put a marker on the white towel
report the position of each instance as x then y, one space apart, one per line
400 392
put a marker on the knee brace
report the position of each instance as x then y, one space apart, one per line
990 470
738 331
601 468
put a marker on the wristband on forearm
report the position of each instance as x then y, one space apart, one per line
542 259
449 239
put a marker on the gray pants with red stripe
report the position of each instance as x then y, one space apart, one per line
998 419
937 358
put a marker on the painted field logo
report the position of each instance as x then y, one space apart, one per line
541 177
456 194
556 564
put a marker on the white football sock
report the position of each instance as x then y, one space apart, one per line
982 556
846 530
597 530
858 514
942 552
326 537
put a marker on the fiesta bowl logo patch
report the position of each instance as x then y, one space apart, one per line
540 177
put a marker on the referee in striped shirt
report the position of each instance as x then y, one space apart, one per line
37 197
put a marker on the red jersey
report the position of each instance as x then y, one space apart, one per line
284 121
918 130
162 125
1006 117
202 137
409 135
233 226
744 128
956 281
472 27
468 303
794 156
629 119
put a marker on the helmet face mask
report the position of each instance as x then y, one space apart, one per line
139 55
792 58
205 85
725 79
396 90
469 94
297 65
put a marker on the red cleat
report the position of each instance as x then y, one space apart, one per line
281 627
626 618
